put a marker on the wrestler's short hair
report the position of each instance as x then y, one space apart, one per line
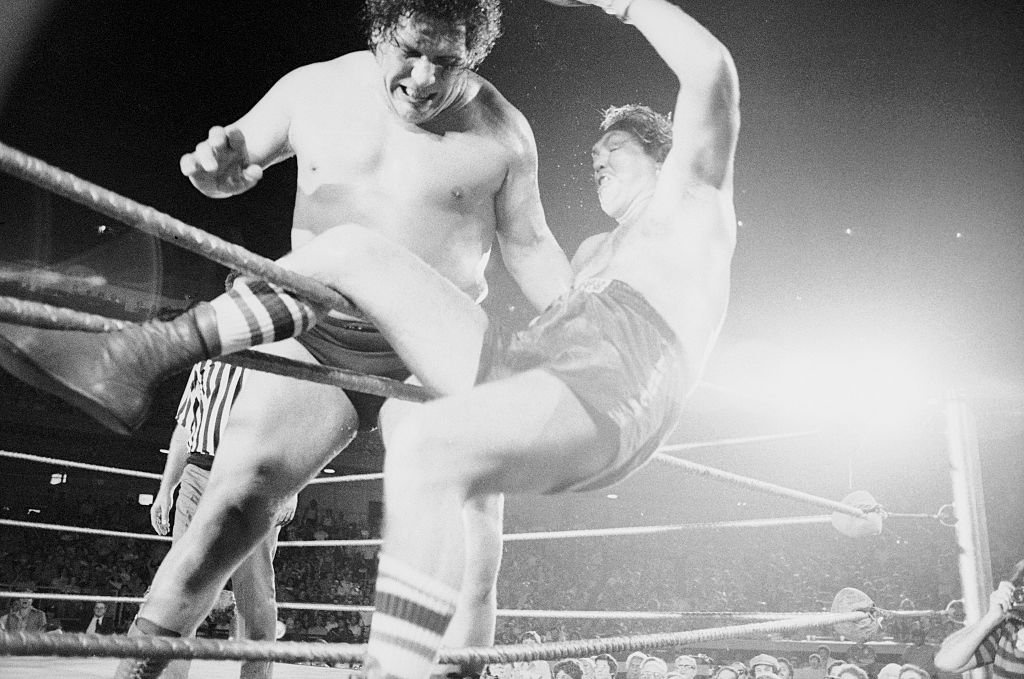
482 19
653 129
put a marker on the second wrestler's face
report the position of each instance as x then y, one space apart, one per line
623 171
424 65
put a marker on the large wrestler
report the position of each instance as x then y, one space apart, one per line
407 141
577 401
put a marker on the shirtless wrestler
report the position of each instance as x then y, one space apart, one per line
407 141
577 401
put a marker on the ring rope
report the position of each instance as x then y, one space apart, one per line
156 223
79 465
511 537
679 447
335 377
39 315
45 280
655 530
78 645
85 531
762 486
348 478
504 612
377 476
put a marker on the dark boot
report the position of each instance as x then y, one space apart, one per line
144 668
111 376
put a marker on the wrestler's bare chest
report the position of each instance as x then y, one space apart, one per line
366 167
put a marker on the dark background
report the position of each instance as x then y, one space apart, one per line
879 188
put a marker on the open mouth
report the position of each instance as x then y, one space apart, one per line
416 99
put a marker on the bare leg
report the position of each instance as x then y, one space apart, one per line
474 620
256 602
281 433
435 327
527 433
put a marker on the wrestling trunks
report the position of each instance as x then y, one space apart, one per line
617 355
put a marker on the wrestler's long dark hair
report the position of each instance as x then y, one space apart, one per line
482 19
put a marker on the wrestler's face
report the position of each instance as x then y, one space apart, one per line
623 171
424 65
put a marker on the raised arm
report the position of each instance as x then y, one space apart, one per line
958 652
231 159
705 123
530 252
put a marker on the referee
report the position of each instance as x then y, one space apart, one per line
203 414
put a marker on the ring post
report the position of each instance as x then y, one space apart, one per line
969 501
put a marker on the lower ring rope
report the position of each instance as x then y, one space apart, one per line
79 645
507 612
156 223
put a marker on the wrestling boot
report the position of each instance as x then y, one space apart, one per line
144 668
109 375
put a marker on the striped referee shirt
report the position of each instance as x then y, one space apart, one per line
204 407
1003 648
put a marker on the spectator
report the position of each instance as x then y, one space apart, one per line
653 668
913 672
633 662
920 652
686 666
23 617
605 666
890 671
785 669
727 672
567 669
850 671
99 622
763 664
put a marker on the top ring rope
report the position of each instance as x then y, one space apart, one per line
762 486
159 224
80 645
39 315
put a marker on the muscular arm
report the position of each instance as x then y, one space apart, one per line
231 159
957 653
528 248
706 119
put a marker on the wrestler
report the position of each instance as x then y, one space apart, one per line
409 142
203 413
579 400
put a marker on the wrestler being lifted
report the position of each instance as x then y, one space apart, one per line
582 397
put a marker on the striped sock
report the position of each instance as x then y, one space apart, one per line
411 613
257 312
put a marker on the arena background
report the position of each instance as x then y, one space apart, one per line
880 189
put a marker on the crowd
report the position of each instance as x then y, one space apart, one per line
799 570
